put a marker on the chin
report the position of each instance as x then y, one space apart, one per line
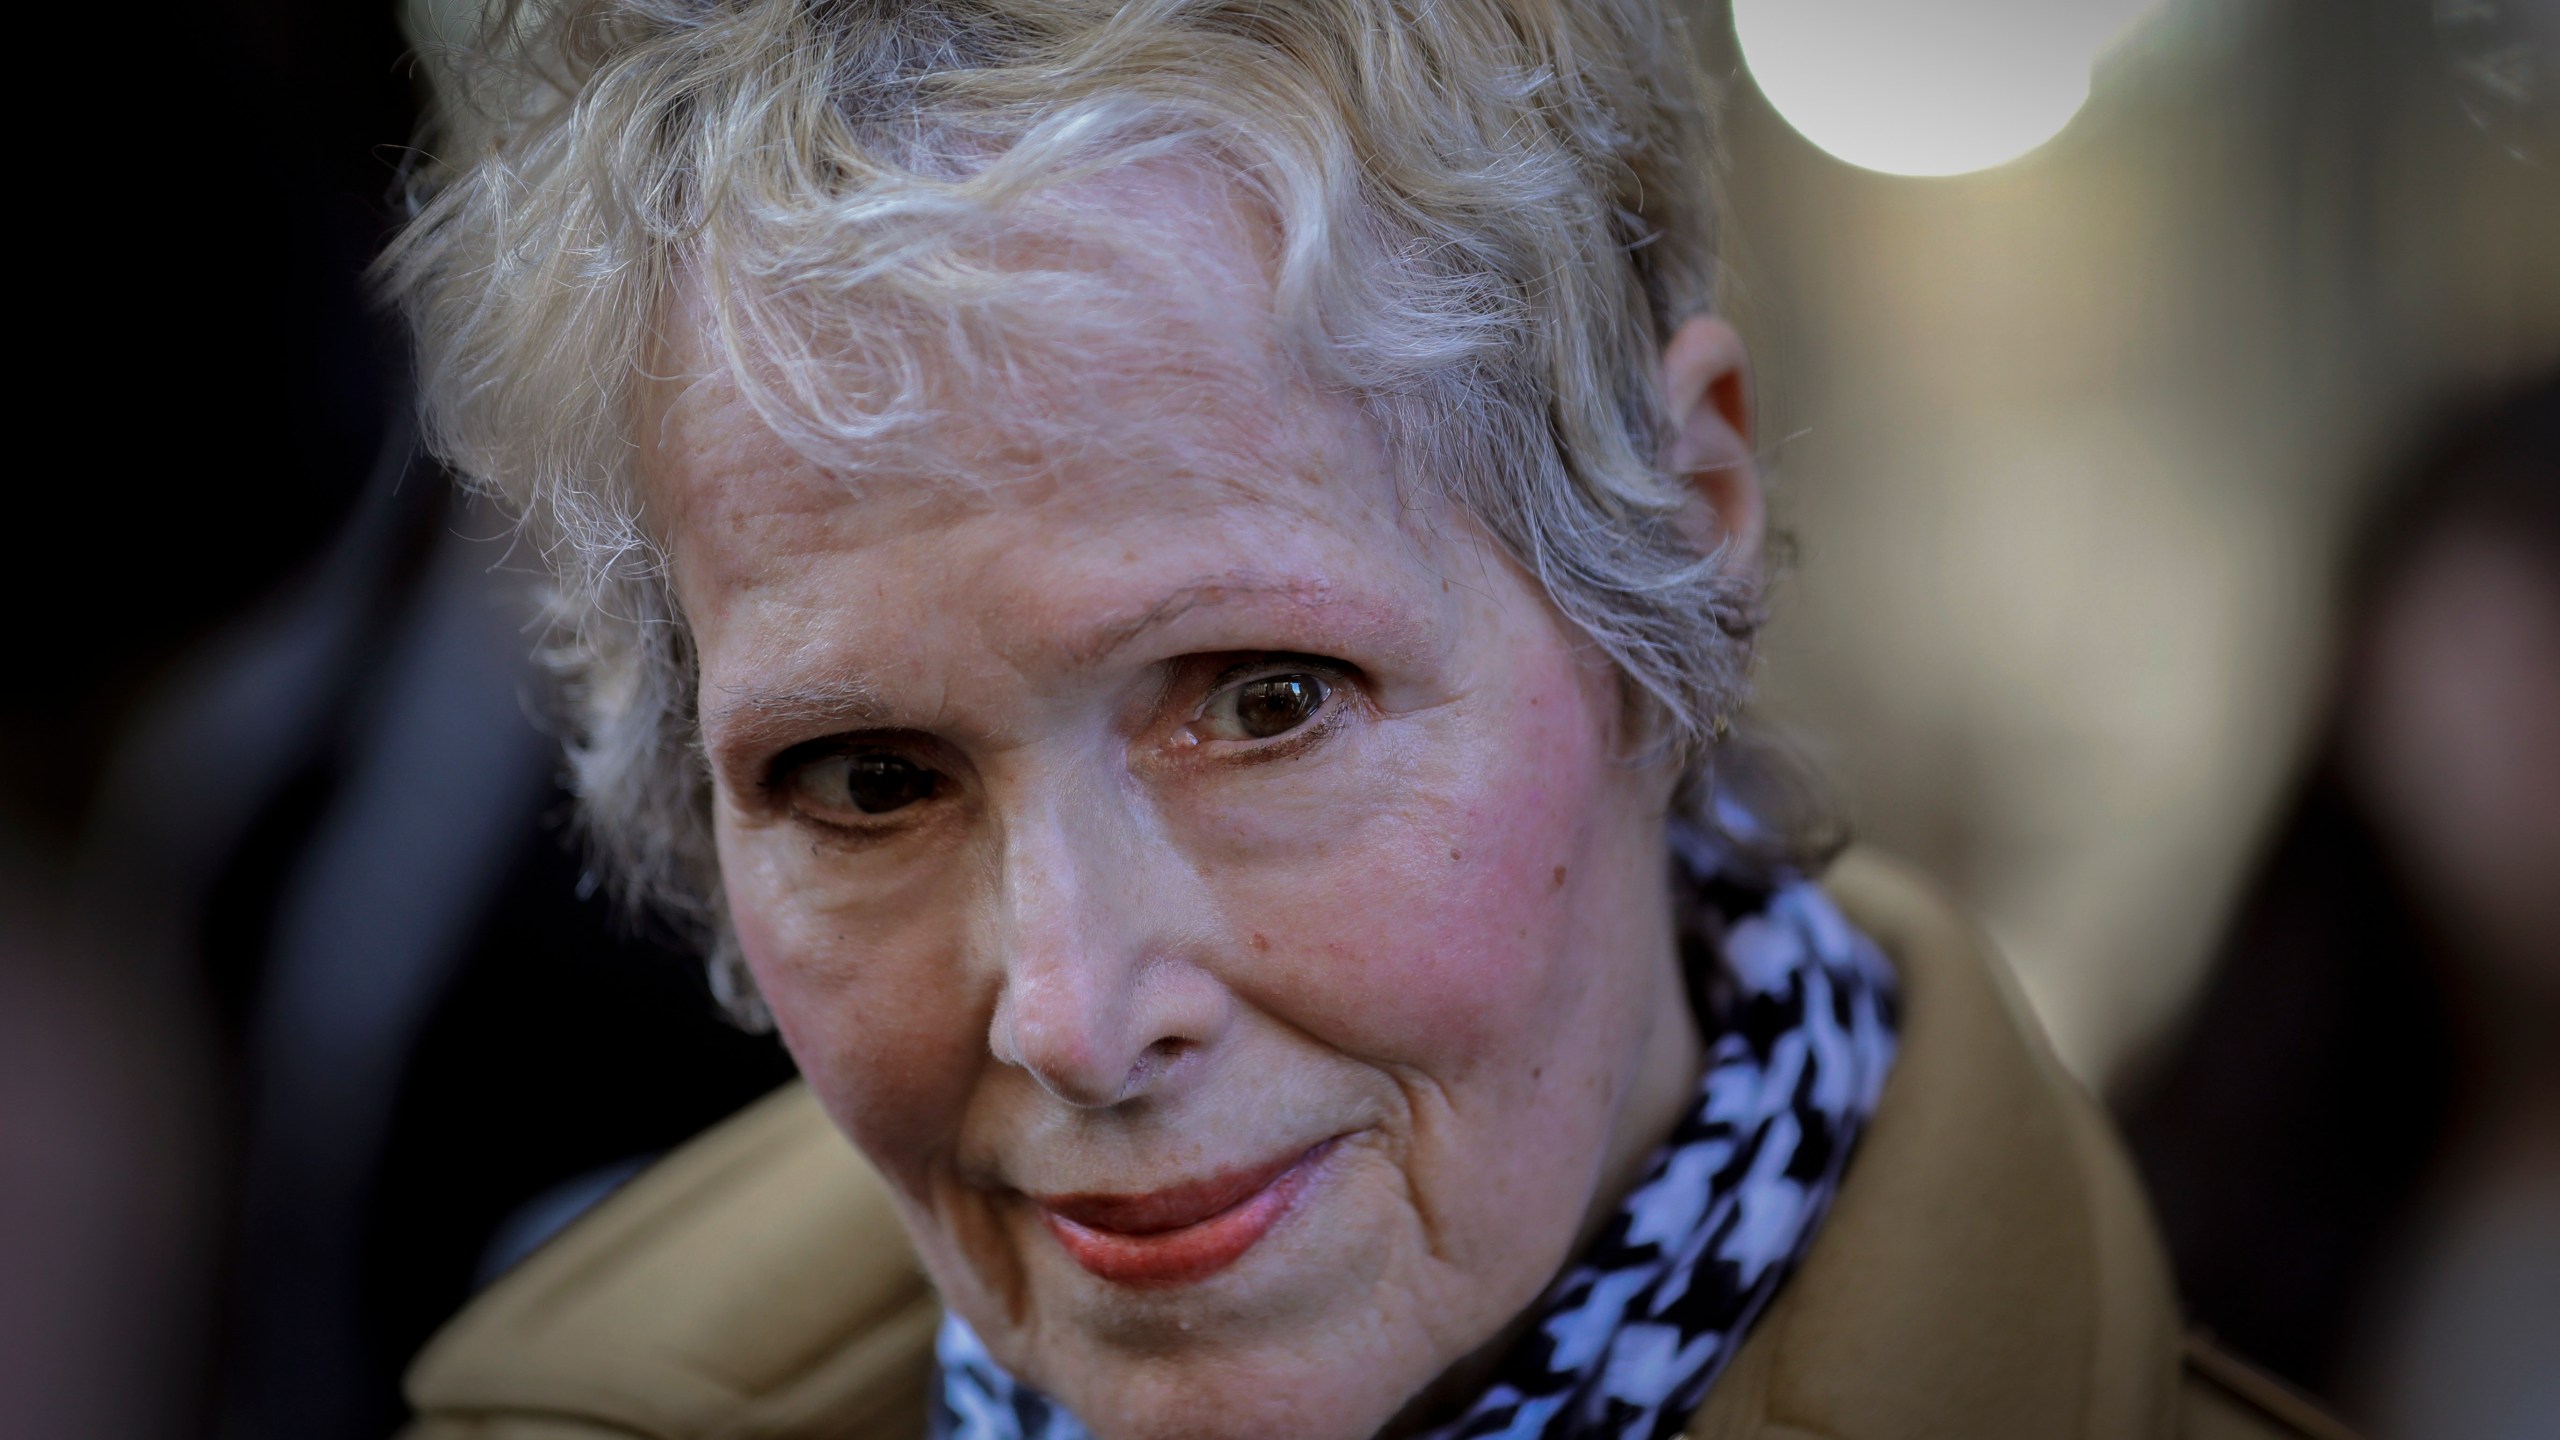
1271 1392
1336 1376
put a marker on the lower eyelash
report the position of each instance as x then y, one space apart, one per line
1336 712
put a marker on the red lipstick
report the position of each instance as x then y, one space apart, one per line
1183 1233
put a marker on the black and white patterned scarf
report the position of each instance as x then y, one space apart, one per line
1800 1013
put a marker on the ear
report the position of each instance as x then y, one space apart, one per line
1706 391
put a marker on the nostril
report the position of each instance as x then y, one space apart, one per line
1152 1064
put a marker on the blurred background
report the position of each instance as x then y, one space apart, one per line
2165 404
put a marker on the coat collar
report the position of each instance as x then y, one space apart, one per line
1989 1267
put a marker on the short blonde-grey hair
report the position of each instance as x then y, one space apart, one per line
1490 216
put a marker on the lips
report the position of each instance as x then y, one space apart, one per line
1182 1234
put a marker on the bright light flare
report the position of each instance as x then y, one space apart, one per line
1927 89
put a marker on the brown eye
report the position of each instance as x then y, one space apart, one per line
1266 705
874 782
1278 705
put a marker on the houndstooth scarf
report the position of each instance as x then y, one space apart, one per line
1800 1013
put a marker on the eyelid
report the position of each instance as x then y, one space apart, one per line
1342 689
1274 663
849 827
792 759
780 770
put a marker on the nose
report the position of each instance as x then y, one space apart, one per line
1097 925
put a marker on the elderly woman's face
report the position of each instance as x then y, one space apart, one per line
1206 885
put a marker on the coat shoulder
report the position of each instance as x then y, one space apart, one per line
1989 1266
756 1279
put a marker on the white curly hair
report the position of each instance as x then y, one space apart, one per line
1490 216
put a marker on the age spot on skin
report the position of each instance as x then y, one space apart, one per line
1559 877
1261 941
1457 855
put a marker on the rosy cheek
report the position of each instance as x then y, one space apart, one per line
1448 929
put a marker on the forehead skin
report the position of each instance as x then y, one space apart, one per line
1159 531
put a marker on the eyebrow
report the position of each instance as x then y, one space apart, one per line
758 717
1111 636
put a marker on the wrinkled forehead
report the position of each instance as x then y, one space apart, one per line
1128 320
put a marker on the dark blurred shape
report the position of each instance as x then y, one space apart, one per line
2306 1100
309 1020
347 826
231 384
106 1182
2354 1142
209 412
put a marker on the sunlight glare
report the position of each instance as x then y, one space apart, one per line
1916 89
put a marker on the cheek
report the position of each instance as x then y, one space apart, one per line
868 1011
1453 930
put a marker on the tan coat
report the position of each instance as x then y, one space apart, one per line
1987 1271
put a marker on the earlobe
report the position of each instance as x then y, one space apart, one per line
1706 385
